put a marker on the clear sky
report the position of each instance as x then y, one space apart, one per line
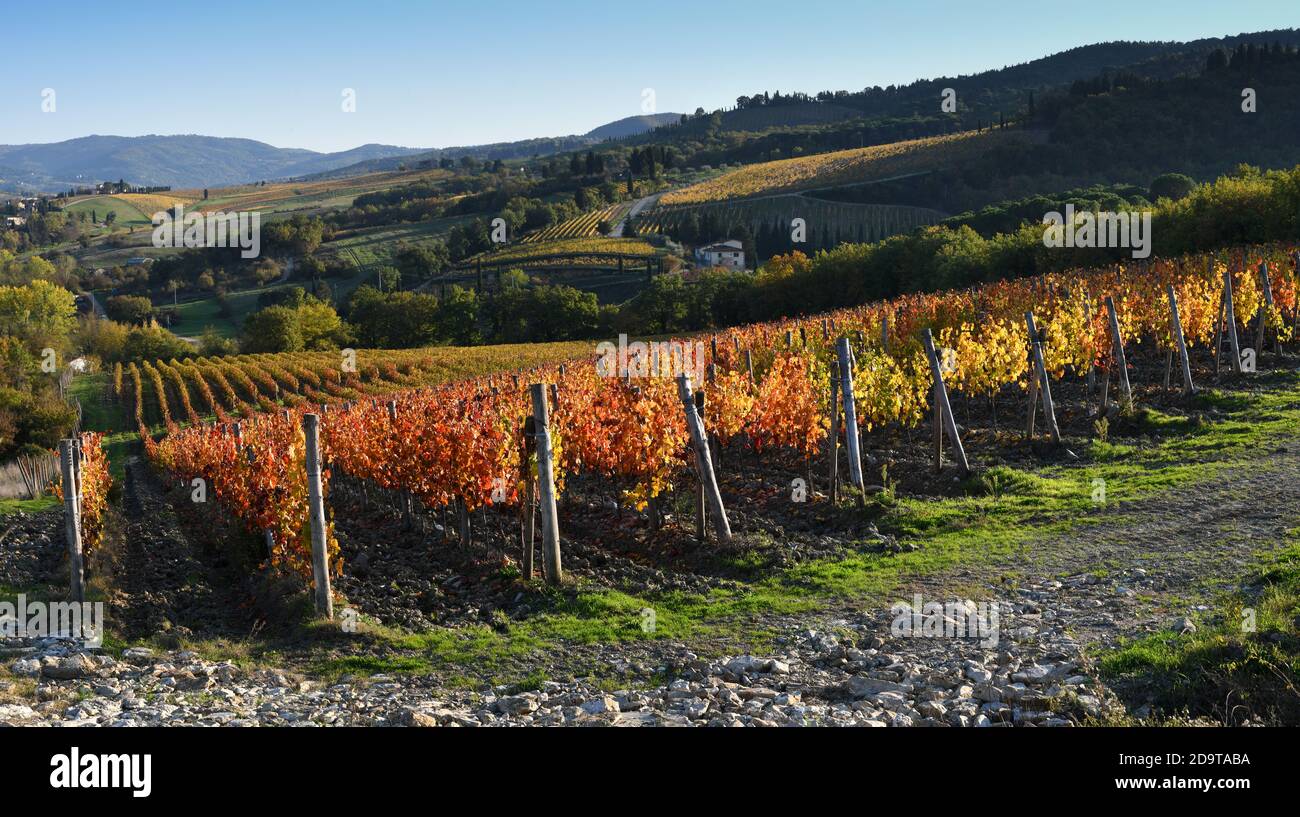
434 74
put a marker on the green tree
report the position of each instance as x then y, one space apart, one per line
41 315
420 263
458 317
274 329
1171 186
129 309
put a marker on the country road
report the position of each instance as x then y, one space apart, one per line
641 204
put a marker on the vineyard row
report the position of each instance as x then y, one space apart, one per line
767 387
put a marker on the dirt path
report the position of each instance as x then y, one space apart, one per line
1141 564
161 582
648 201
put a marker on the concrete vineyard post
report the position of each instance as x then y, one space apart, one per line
320 565
546 485
703 462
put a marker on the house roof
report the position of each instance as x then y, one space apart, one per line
723 246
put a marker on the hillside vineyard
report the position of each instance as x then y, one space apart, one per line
463 444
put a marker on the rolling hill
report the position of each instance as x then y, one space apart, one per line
620 129
175 161
982 97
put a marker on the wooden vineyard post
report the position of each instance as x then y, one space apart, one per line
1229 314
546 485
528 499
715 445
703 462
406 495
845 359
749 364
884 333
1044 384
268 535
1295 279
834 478
949 421
1218 335
1267 289
463 522
320 559
1031 414
1092 364
936 426
1176 325
72 521
1117 347
700 499
78 458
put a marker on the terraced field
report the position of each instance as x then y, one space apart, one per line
584 226
169 392
839 168
306 196
574 250
132 209
836 221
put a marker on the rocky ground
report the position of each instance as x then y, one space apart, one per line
849 675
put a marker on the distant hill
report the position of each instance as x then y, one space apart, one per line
912 110
523 149
631 125
177 161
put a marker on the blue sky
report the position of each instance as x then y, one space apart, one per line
433 74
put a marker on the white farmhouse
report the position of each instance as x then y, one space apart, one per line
730 254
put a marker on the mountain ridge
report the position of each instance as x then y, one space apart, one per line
197 160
